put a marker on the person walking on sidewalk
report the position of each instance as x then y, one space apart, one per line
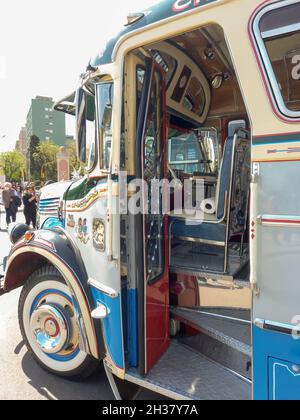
9 201
30 206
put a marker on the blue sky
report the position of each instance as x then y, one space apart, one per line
45 45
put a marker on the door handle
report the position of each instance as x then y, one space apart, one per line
101 312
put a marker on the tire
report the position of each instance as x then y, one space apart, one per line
44 290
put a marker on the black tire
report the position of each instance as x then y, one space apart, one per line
48 273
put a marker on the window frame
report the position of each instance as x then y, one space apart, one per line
106 80
266 67
90 168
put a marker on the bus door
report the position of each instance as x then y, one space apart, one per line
153 145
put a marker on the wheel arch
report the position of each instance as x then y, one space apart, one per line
26 258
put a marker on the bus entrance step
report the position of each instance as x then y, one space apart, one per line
223 338
185 374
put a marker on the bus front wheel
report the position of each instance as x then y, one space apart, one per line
49 328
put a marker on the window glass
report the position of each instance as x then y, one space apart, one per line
284 53
278 36
278 18
105 107
140 77
153 169
167 63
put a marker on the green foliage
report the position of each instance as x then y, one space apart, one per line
74 162
71 149
13 165
45 159
34 168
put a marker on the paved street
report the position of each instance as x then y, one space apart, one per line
20 377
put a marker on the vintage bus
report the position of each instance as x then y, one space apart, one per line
193 302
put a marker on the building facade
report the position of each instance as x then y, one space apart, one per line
44 122
21 144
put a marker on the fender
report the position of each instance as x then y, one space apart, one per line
57 248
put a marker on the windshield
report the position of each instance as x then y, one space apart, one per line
195 152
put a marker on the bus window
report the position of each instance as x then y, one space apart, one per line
195 152
278 34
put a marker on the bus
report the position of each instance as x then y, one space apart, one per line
175 260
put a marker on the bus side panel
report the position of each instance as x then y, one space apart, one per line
277 235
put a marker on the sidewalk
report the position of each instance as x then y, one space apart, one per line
2 217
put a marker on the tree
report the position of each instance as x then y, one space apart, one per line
74 162
71 149
13 165
45 158
34 168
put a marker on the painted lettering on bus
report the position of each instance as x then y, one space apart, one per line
182 5
296 68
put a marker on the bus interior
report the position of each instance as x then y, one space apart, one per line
208 140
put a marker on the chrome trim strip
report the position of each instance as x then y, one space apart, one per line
281 31
130 377
279 221
266 65
103 289
199 241
279 327
211 314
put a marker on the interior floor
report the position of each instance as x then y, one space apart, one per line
225 340
184 374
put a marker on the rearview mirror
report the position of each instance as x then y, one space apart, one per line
81 118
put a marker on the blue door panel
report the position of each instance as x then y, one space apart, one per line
274 357
112 327
284 380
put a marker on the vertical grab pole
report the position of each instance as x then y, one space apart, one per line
253 231
109 220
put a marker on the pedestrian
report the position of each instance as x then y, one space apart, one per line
10 202
30 206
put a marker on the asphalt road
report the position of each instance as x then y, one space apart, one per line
21 378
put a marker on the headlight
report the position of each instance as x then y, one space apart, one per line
16 231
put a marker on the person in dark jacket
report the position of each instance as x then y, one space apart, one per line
9 198
30 206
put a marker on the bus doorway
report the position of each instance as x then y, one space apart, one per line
198 271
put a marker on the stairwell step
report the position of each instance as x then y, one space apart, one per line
225 340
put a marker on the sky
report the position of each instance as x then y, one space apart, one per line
45 46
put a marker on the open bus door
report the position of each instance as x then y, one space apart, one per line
153 287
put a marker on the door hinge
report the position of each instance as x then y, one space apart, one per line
255 173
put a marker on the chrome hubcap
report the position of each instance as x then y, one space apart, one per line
51 327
